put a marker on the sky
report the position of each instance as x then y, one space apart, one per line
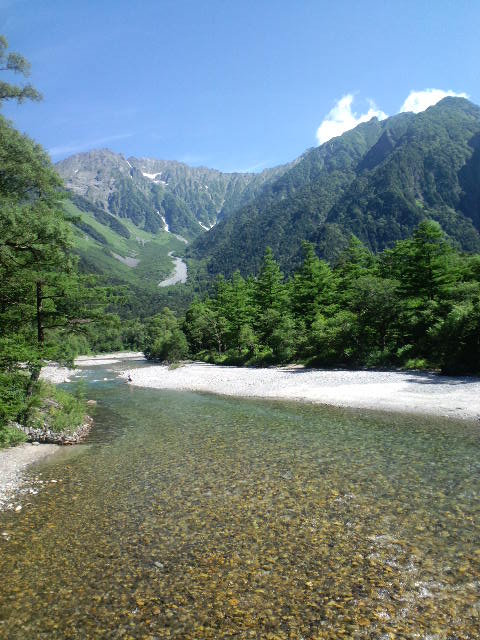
236 85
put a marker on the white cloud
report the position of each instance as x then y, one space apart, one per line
420 100
341 118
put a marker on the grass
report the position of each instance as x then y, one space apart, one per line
55 408
10 437
150 249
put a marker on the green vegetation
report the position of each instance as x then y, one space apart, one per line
164 338
15 63
416 305
55 409
132 260
46 305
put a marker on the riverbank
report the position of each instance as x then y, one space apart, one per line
13 462
57 419
405 392
108 358
57 374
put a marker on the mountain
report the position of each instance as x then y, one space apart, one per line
132 217
377 181
160 194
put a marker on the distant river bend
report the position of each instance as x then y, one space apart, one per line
179 273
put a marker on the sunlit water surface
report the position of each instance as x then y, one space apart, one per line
193 516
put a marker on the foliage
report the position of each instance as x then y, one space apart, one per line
10 437
15 63
415 305
165 340
44 301
13 387
55 409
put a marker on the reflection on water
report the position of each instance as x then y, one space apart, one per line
191 516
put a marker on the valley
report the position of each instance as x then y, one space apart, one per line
240 278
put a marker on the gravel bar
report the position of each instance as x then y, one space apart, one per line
405 391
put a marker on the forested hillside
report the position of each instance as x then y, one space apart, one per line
377 181
128 257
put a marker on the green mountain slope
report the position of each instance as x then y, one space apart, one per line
377 181
125 255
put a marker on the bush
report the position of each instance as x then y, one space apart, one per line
9 437
55 408
13 388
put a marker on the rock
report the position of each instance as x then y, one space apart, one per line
36 444
45 435
18 507
91 402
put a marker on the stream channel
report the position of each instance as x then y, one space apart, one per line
196 516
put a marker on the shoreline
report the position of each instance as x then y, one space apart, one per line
13 462
409 392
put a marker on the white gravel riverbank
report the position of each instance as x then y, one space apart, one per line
108 358
58 374
406 392
13 462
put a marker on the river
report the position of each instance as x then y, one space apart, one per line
179 272
193 516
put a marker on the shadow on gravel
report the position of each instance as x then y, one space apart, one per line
414 377
432 378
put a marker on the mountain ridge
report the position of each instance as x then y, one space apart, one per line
377 181
160 194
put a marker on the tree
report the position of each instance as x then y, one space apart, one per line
42 296
34 240
312 286
271 298
424 264
165 340
457 338
355 261
426 268
205 326
233 304
15 63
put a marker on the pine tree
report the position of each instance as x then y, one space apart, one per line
14 62
312 286
271 298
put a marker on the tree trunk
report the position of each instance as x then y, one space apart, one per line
34 375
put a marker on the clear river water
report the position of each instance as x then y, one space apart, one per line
194 516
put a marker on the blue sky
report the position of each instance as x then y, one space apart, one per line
234 85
